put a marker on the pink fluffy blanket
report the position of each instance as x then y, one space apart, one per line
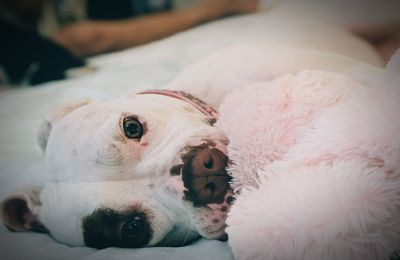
316 166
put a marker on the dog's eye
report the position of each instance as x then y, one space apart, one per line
133 129
133 228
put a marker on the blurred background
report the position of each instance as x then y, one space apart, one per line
41 39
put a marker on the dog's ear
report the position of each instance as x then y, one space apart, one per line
19 211
53 117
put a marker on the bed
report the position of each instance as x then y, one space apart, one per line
146 67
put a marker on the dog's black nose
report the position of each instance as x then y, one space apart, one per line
205 177
208 162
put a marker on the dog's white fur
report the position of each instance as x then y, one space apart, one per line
91 165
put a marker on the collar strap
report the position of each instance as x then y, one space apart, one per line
200 105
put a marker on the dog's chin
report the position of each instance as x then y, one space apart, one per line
208 204
212 218
222 235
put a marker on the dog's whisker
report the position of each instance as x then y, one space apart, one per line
186 237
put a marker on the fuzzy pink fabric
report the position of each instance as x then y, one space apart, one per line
316 165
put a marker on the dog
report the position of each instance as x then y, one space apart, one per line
127 191
149 169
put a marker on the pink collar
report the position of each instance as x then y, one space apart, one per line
200 105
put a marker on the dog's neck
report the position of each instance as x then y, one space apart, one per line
200 105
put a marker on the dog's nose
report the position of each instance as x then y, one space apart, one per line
208 162
205 177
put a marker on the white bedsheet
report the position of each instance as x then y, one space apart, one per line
150 66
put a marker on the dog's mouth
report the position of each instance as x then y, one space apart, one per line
204 176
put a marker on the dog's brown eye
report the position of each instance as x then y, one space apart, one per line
133 129
133 228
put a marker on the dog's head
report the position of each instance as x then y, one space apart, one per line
141 170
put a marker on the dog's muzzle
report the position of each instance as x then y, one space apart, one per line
204 176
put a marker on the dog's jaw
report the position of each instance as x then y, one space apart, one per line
209 218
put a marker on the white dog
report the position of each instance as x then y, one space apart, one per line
148 169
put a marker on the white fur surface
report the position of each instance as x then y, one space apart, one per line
317 162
